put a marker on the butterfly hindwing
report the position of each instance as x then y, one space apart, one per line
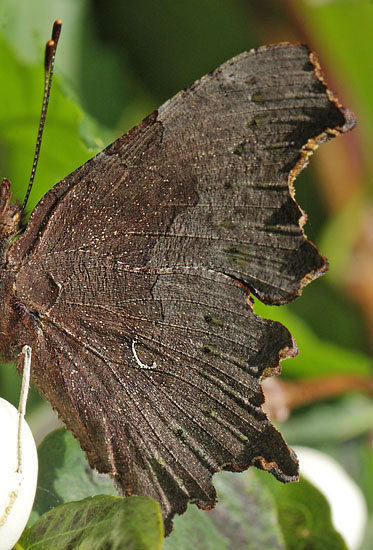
133 276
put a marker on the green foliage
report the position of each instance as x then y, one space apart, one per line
316 357
335 421
98 522
303 515
245 517
64 474
343 30
63 148
254 511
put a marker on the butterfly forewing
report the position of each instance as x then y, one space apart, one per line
132 280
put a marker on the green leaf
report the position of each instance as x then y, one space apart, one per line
101 522
317 357
245 517
256 512
304 515
335 421
64 473
343 228
246 507
63 149
350 59
367 543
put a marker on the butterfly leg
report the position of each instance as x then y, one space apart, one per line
26 350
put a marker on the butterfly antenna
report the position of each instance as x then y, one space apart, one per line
50 53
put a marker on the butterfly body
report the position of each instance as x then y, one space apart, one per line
131 281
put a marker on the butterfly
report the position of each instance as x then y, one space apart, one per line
133 279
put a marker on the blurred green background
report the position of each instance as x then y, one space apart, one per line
116 62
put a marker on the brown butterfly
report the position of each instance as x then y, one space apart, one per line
132 280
